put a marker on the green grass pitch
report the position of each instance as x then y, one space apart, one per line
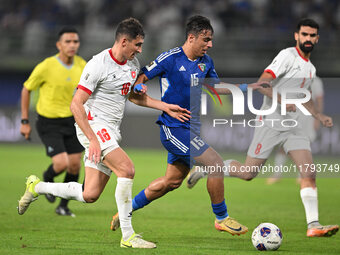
180 223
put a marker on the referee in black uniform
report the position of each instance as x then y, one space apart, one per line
56 79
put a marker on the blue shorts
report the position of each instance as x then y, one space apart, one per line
182 144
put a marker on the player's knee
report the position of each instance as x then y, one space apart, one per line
90 197
60 166
174 184
128 169
74 168
248 176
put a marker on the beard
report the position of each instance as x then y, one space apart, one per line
306 49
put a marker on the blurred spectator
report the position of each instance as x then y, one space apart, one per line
29 25
282 14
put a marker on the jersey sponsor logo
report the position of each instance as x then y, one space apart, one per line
201 66
151 66
133 74
87 76
182 69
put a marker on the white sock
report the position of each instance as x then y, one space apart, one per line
309 197
124 203
227 166
69 190
279 160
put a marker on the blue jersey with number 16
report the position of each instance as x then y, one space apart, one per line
179 83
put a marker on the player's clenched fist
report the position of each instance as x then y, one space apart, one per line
325 120
140 88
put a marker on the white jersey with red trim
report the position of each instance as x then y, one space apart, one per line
291 71
108 83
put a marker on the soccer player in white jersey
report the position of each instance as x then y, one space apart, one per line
291 69
98 107
309 124
177 69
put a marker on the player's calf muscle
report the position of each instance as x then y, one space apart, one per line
160 187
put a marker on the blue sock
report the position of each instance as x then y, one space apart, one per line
139 201
220 210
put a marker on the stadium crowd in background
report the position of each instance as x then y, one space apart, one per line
25 19
19 14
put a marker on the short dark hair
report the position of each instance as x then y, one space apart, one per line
308 23
197 24
130 27
67 30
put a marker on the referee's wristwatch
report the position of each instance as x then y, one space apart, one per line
24 121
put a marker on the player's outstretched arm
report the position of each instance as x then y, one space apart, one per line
263 85
264 80
174 111
78 110
177 112
139 97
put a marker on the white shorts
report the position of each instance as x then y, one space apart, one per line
108 137
307 123
265 139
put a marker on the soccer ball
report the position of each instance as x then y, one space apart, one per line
266 237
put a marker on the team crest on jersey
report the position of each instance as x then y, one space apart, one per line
201 66
133 74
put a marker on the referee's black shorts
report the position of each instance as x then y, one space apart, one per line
58 135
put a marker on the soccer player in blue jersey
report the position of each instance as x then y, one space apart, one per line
291 69
179 71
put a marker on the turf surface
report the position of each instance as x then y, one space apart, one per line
180 223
